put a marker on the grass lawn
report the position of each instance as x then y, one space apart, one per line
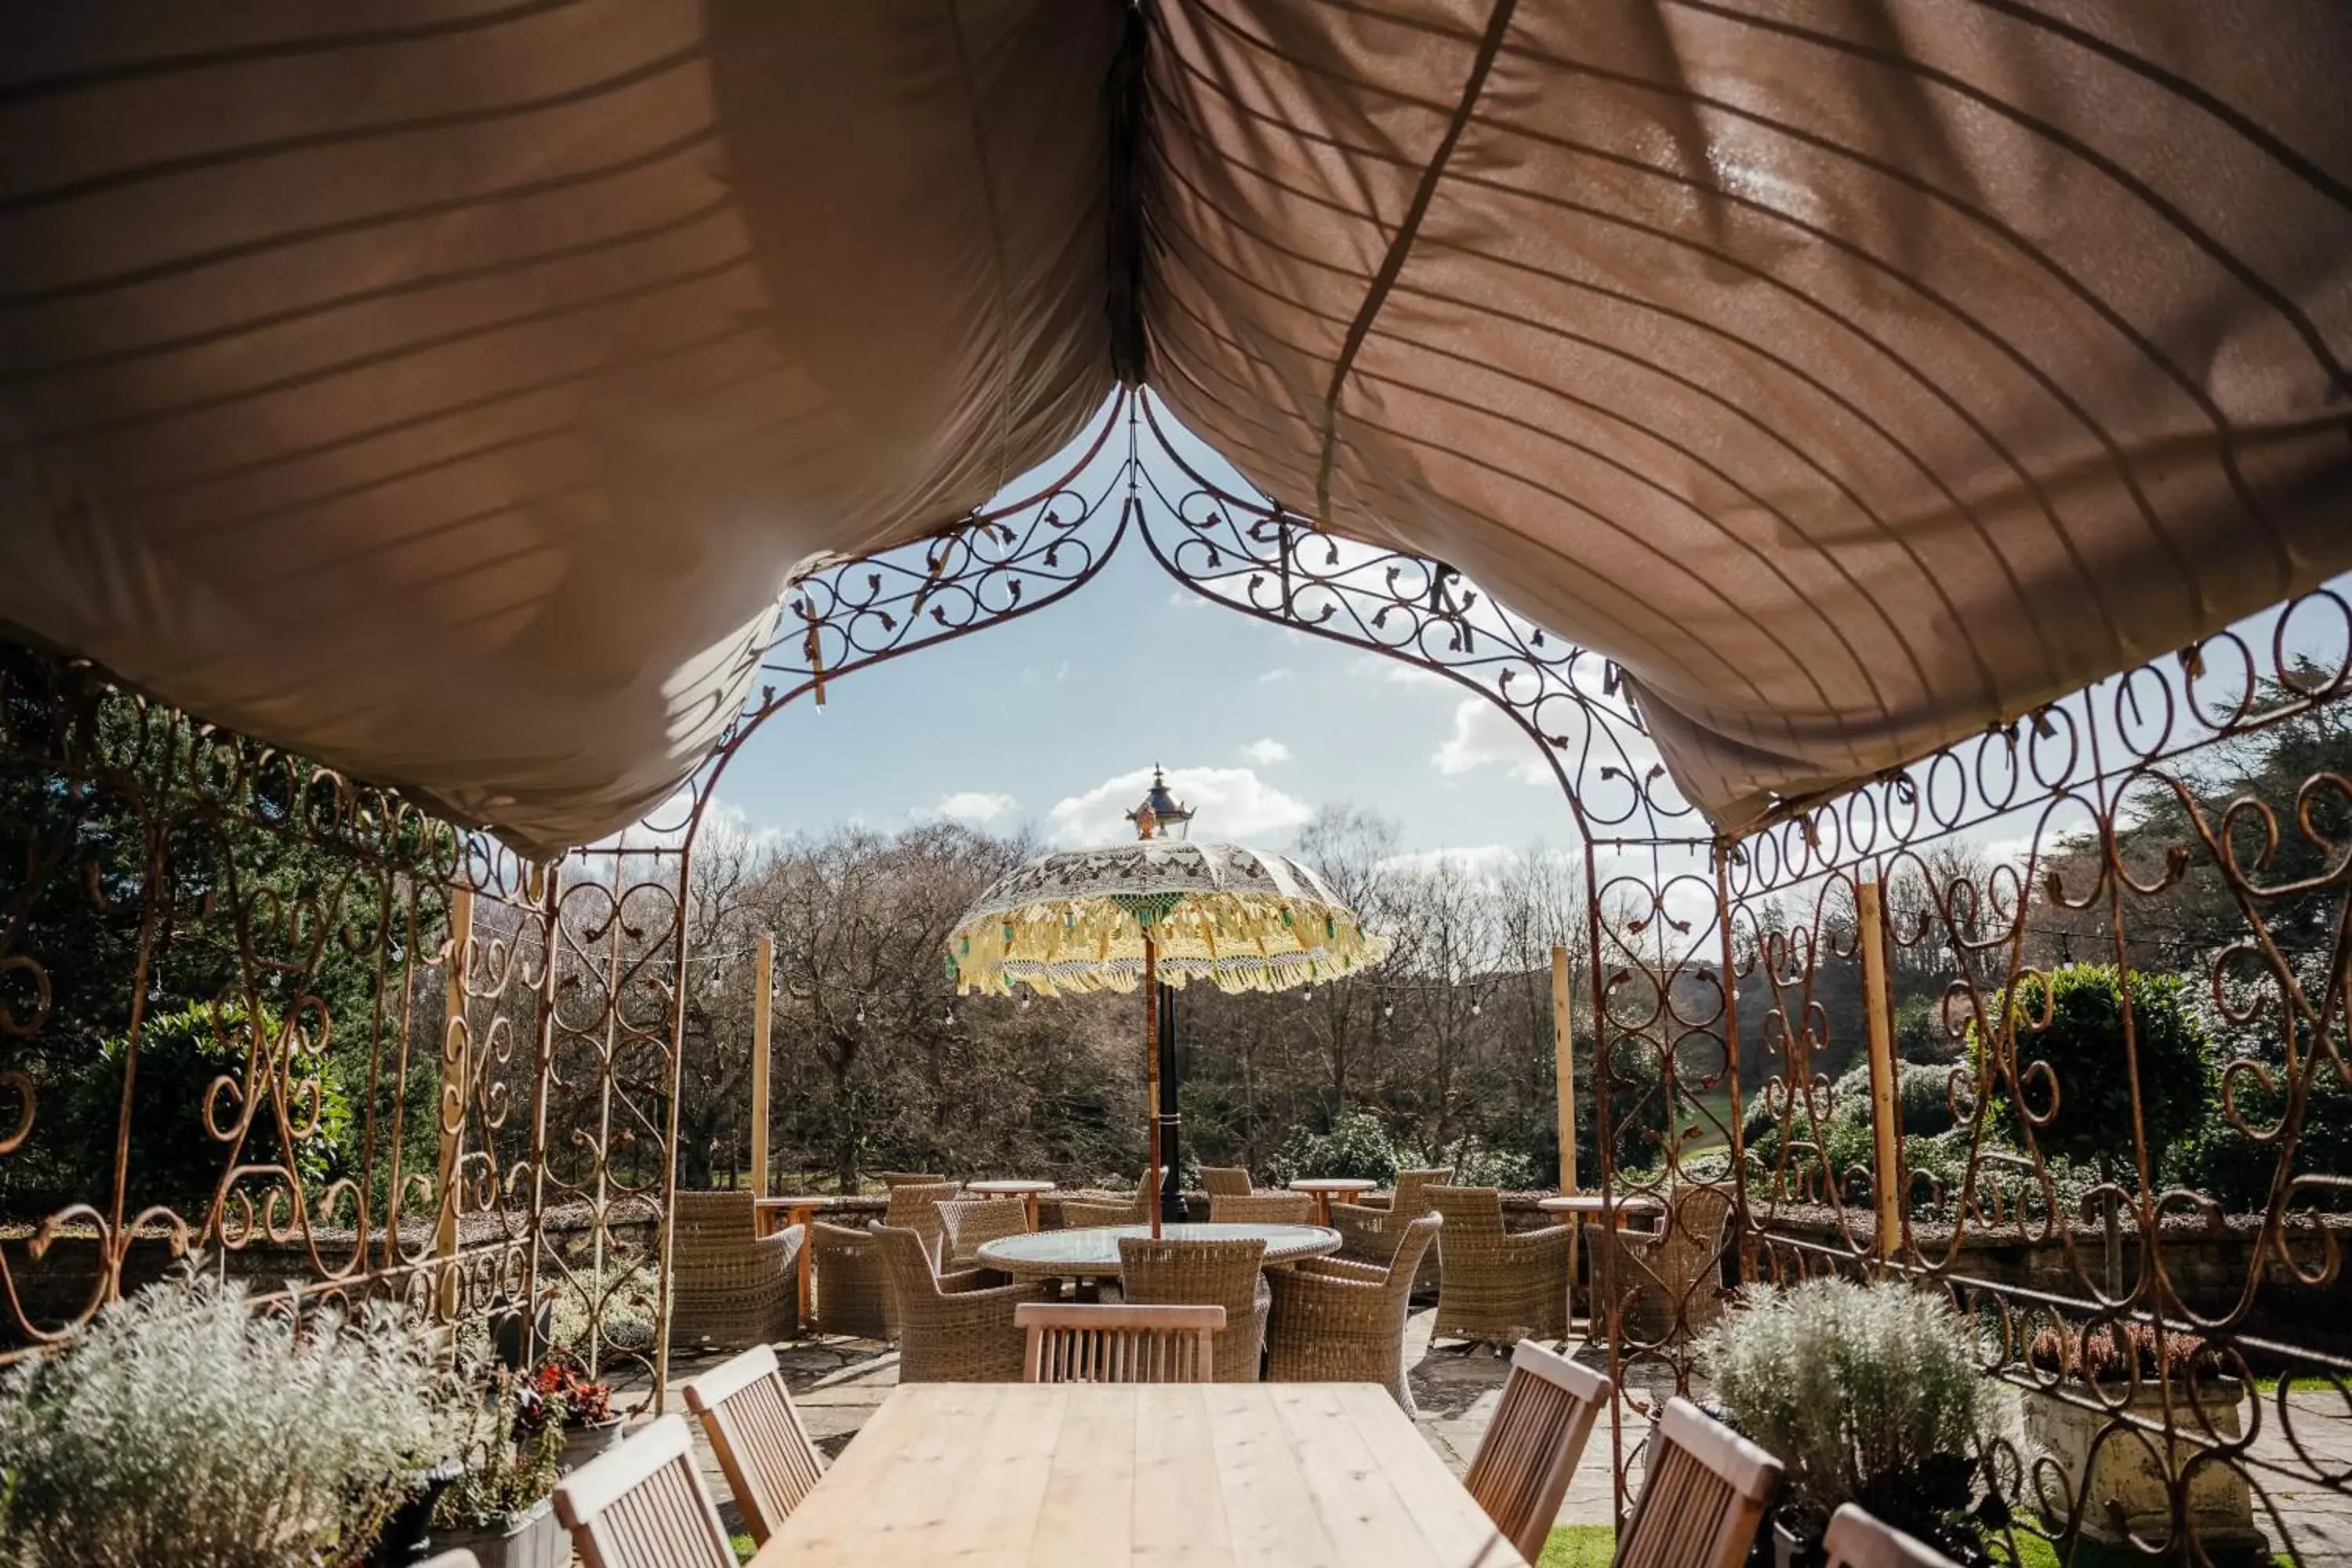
1704 1135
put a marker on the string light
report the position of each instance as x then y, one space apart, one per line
860 1019
1310 993
950 1018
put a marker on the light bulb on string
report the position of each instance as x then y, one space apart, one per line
1025 994
860 1019
1310 993
1388 1009
949 1018
1477 1007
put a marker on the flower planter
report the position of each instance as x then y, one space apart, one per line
582 1443
535 1539
2134 1472
403 1539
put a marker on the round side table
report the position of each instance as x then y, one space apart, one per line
1028 1191
1322 1187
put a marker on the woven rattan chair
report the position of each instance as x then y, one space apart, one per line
1704 1494
973 1223
1083 1214
747 1412
730 1284
1669 1284
1531 1448
1225 1182
952 1328
1339 1321
894 1180
1494 1287
1118 1345
642 1505
1228 1274
915 1205
853 1291
1262 1208
1856 1540
1368 1234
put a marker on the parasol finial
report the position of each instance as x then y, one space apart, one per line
1161 812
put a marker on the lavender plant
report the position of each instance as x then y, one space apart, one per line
185 1428
1868 1395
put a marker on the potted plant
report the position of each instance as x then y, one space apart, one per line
2097 1385
589 1424
1867 1394
500 1509
183 1427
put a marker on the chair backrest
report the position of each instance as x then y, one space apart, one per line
1703 1497
1225 1182
1856 1540
1412 1241
1077 1214
907 1258
897 1179
1262 1208
1522 1468
642 1506
1080 1344
748 1414
916 1206
972 1223
1472 1215
701 1220
1412 1190
1193 1273
1696 1218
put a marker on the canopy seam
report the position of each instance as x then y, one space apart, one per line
1004 441
1497 23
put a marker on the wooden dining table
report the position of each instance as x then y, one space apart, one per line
1237 1475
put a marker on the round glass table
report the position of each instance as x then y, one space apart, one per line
1091 1252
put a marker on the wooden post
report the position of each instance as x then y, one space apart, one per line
455 1068
763 975
1564 1069
1885 1102
1151 1067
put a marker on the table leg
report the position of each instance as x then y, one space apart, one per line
1034 1211
1323 1208
803 1216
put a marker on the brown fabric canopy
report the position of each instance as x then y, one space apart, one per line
448 388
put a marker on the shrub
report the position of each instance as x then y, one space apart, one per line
1357 1145
2121 1351
1868 1395
182 1427
2083 1044
512 1444
2231 1165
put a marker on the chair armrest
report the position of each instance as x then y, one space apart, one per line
971 1281
1522 1246
1341 1269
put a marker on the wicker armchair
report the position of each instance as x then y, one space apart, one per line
1078 1214
973 1223
894 1180
1368 1234
1262 1208
730 1284
1228 1274
853 1292
952 1328
1336 1321
1668 1285
1496 1287
1225 1182
915 1205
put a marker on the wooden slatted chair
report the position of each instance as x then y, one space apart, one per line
748 1414
1857 1540
1225 1182
1118 1345
1262 1208
973 1223
1705 1492
642 1505
1522 1468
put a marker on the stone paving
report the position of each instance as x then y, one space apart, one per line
838 1384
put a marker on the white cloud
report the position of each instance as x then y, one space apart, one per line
1480 861
1483 736
1186 599
1397 672
1279 672
1267 753
1235 804
973 807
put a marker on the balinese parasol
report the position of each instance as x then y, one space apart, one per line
1159 910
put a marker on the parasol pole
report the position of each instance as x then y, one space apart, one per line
1151 1067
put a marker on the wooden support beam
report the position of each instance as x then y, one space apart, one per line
763 978
1886 1102
1564 1069
455 1068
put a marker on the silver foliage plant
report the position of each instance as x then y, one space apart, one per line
185 1428
1849 1385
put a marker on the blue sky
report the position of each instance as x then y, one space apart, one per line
1049 719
